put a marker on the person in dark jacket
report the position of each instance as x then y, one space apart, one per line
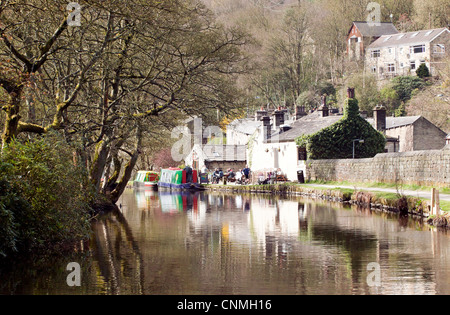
188 171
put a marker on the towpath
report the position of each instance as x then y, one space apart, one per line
413 193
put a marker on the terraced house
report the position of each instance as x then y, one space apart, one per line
402 53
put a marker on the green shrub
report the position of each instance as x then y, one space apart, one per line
336 141
422 71
44 198
406 85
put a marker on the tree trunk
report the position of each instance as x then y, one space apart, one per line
120 188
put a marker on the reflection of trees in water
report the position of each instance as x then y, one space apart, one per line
119 257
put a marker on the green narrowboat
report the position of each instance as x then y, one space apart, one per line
146 180
177 178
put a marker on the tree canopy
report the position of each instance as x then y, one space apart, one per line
128 71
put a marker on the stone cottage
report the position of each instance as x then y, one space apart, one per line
401 54
217 156
410 133
362 34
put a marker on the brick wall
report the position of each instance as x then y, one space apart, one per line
430 168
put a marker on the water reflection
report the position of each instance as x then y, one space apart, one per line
231 244
216 243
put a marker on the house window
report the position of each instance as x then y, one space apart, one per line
390 50
439 49
402 65
417 49
401 50
412 64
374 69
375 53
390 67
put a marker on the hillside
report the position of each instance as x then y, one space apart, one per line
299 46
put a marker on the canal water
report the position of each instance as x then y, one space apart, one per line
217 243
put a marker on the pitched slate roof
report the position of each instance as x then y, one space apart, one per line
410 38
384 28
224 153
394 122
305 126
246 126
314 122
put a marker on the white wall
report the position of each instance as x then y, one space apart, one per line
283 155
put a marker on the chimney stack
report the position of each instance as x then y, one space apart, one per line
260 114
267 132
279 117
351 92
300 112
379 114
324 108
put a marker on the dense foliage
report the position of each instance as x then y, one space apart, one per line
405 86
44 201
422 71
336 141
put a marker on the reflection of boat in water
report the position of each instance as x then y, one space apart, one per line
146 180
174 202
176 178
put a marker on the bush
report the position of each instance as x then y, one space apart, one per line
422 71
44 198
336 141
405 86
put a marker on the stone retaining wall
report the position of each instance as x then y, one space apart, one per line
426 168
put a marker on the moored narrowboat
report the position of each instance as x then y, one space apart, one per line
146 180
177 178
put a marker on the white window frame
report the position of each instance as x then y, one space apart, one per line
390 68
413 48
375 53
439 49
411 64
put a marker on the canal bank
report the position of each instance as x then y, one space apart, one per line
409 202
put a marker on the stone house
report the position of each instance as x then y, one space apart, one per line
401 54
362 34
217 156
410 133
